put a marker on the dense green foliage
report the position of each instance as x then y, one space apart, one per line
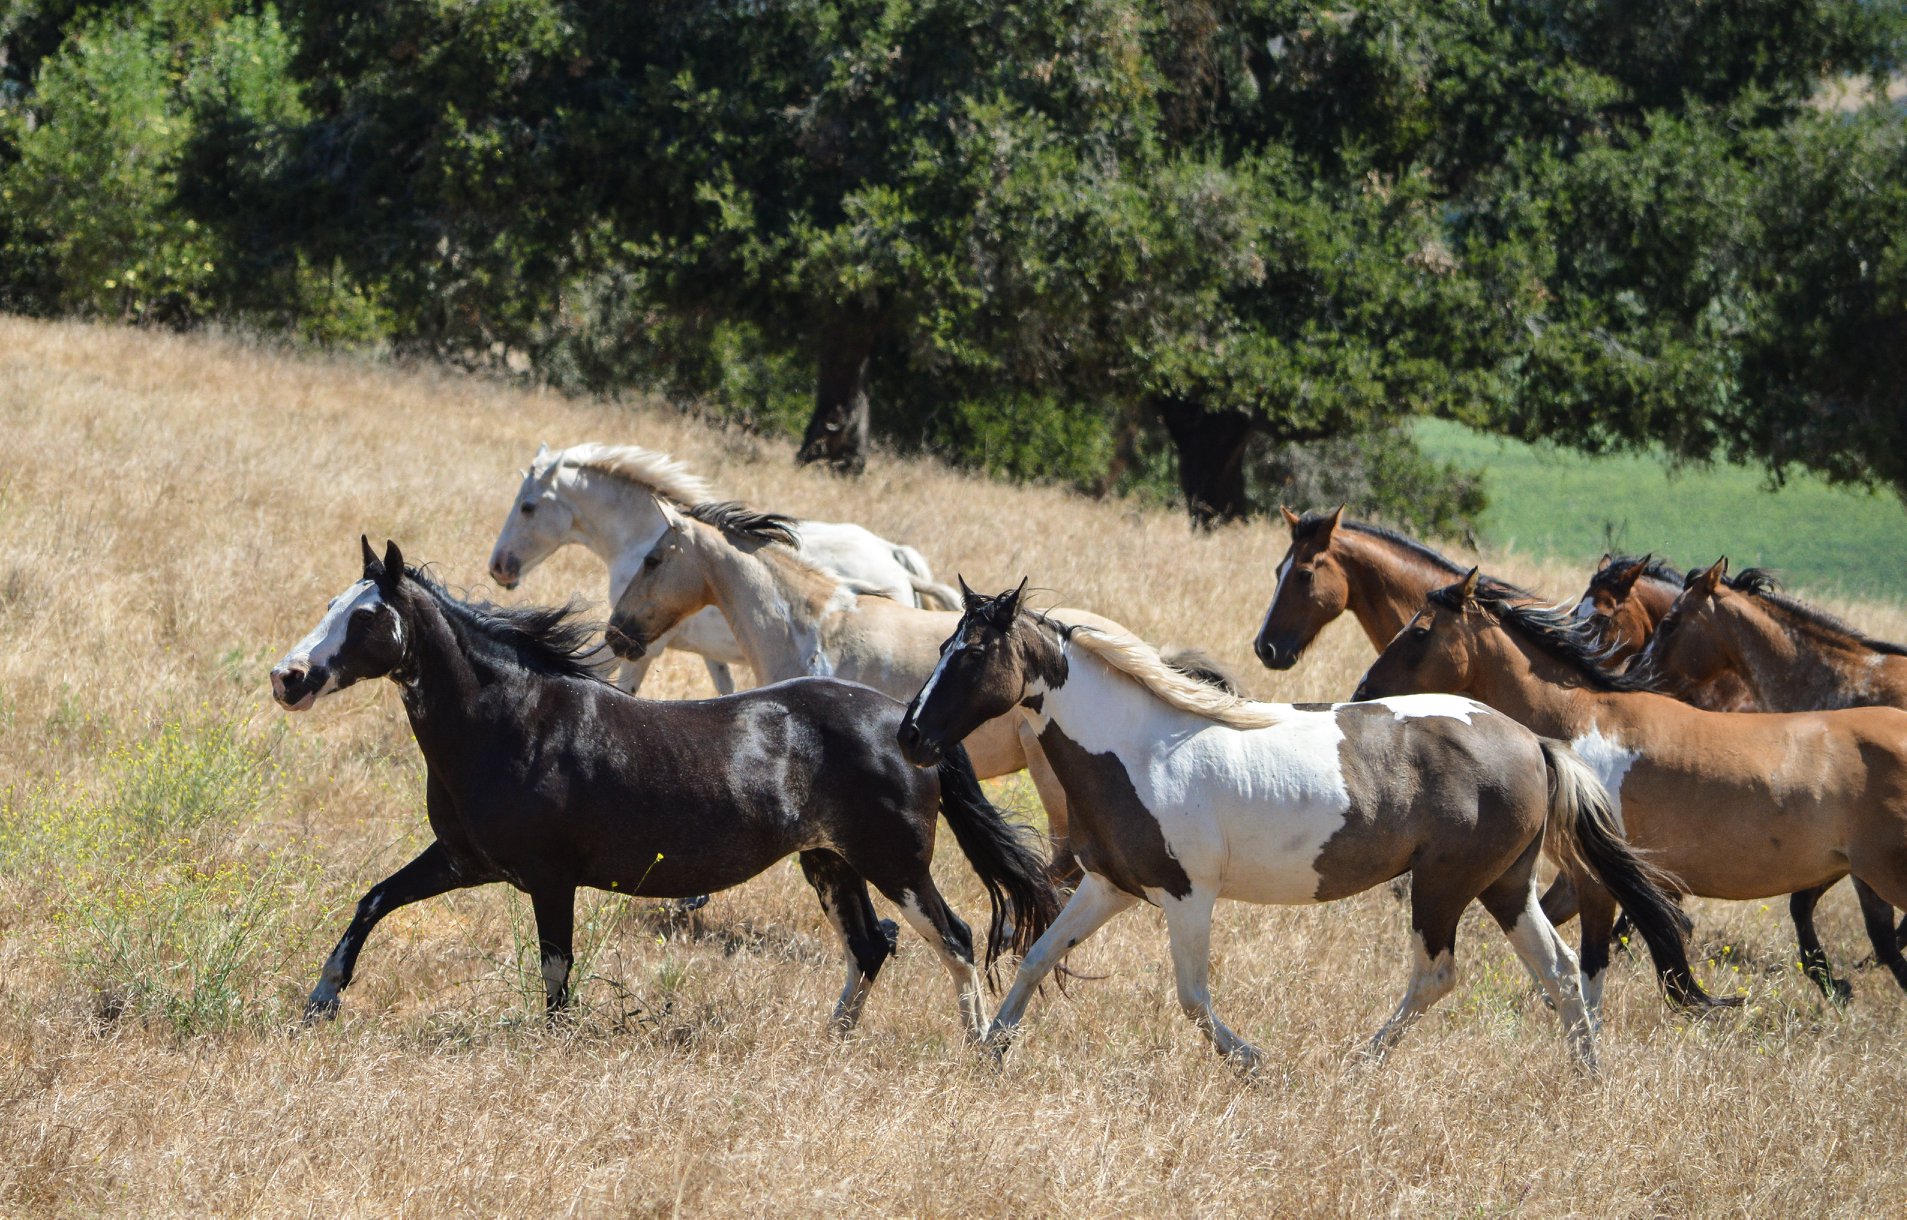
1094 240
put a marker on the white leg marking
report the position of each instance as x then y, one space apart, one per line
1092 904
1188 921
1546 956
555 976
1430 981
965 975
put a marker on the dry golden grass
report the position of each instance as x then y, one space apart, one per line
176 512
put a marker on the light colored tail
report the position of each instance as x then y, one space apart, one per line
929 593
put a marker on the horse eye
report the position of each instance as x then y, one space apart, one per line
1303 575
649 562
363 613
529 509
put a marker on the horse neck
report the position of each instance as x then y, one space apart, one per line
441 679
775 604
1654 596
610 517
1530 686
1100 707
1790 669
1387 585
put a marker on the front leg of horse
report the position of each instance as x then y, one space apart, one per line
1092 904
1188 922
555 909
1878 914
1814 959
430 874
720 675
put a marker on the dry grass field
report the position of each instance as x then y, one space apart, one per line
176 856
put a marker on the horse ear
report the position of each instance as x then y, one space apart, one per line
393 561
968 598
371 564
1711 579
1331 524
1010 604
1468 591
1605 561
1291 518
1626 579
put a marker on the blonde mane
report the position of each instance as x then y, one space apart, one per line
658 473
1142 663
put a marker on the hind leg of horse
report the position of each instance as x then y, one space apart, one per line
430 874
866 940
952 941
1188 922
1434 915
1092 904
721 675
1814 959
1878 914
1599 920
1560 900
555 910
629 677
1512 901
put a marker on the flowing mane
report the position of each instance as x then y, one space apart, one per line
658 473
740 521
1762 585
1142 663
1655 569
1558 634
551 640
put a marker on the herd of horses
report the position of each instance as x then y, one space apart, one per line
1493 731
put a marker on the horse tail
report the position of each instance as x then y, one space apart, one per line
1588 838
1003 854
929 594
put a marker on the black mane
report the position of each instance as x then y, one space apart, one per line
1763 584
552 640
1656 569
1311 522
738 519
1556 633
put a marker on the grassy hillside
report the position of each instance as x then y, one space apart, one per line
1552 502
177 855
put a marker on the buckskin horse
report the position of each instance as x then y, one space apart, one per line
1738 805
1182 795
545 777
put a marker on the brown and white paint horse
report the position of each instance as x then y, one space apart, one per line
1628 595
1786 655
1332 566
1735 805
1181 795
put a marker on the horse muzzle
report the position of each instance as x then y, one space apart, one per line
506 570
1271 656
628 645
296 687
915 746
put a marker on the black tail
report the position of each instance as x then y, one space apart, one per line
1582 811
1003 854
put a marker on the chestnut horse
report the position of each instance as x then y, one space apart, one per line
1334 565
1182 795
1627 596
1736 805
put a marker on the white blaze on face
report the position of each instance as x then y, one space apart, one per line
319 650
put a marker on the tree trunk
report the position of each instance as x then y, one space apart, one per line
837 431
1211 447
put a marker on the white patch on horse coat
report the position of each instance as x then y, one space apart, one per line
1609 759
940 667
320 648
1249 810
1413 707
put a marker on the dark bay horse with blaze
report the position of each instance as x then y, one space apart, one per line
1736 805
1332 565
1182 795
545 777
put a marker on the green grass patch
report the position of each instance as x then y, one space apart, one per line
1554 502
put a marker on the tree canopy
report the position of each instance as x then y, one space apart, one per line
1099 240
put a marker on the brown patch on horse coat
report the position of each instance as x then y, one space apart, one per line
1110 830
1429 765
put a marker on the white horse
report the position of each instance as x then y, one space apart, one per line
604 498
1180 795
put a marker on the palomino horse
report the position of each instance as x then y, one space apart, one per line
1627 596
1786 655
1181 795
541 775
1741 805
1334 565
603 497
791 618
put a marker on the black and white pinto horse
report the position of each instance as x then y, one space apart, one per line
1181 795
543 776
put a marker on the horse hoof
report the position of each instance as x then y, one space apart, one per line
684 906
320 1009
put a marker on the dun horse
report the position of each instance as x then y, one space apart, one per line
543 776
603 497
1735 805
1181 795
1334 565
